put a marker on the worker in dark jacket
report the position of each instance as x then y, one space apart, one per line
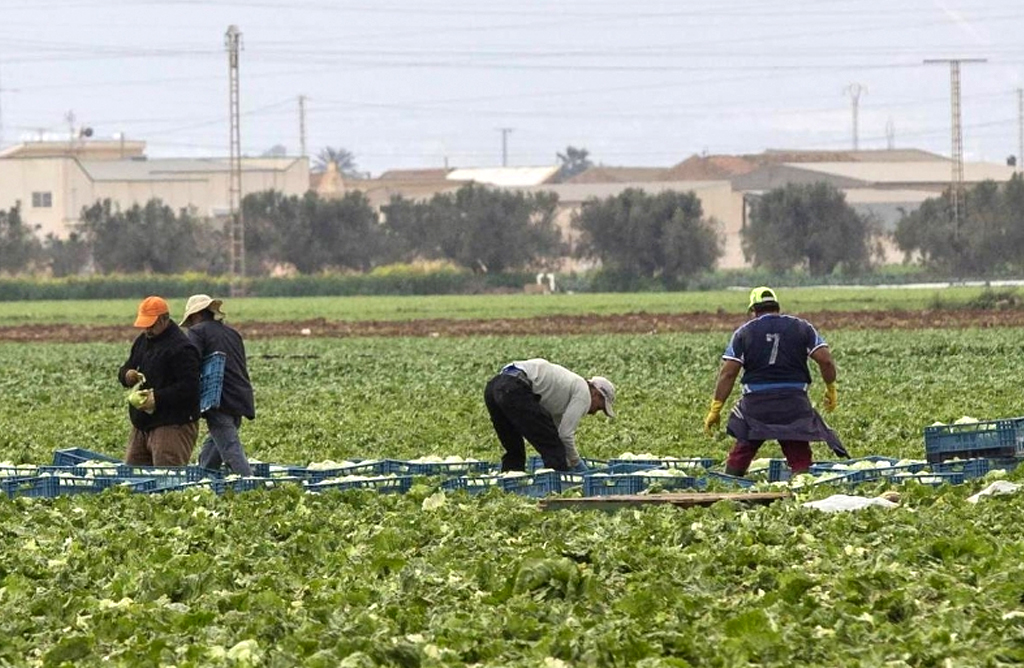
166 424
209 334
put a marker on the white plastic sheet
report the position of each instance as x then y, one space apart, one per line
838 503
995 489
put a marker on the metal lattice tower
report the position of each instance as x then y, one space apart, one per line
956 185
236 224
855 90
302 126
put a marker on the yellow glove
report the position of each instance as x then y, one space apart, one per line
831 398
714 416
149 405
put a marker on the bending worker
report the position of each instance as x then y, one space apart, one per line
544 403
772 350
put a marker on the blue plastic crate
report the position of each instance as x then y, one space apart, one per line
211 381
991 438
52 486
737 481
404 467
74 456
694 463
634 483
534 484
535 462
248 484
933 479
778 469
77 471
612 485
872 458
472 484
384 485
189 473
19 471
183 486
666 482
268 470
1004 463
369 467
971 468
627 466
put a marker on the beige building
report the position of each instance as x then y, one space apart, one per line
53 181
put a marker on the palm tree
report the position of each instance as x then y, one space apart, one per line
342 159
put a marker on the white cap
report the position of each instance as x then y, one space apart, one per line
607 390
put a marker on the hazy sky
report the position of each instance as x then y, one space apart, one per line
404 83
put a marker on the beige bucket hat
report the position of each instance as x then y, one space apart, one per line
197 303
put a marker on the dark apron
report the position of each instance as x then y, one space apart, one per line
782 415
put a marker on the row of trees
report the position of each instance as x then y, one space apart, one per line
479 228
988 238
663 237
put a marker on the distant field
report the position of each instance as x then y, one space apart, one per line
795 300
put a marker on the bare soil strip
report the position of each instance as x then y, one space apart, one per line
632 323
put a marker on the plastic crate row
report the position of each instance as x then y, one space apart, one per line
51 486
611 477
887 468
984 439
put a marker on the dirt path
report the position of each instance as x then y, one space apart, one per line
632 323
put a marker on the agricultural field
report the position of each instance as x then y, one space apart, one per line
282 578
508 306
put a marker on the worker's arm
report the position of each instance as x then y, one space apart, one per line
723 388
727 376
823 357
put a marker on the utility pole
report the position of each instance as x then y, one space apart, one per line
1020 130
233 41
70 118
855 90
1 113
505 132
957 181
890 134
302 126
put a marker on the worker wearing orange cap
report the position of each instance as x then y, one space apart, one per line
165 365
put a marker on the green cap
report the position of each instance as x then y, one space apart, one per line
762 295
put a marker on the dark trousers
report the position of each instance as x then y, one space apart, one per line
222 445
516 413
798 456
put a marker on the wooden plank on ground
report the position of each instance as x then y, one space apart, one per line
678 500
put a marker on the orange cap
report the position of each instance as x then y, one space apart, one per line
150 309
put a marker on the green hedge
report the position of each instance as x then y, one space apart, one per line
180 286
418 282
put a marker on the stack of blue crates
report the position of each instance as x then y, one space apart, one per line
989 439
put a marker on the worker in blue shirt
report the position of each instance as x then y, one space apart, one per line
772 351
